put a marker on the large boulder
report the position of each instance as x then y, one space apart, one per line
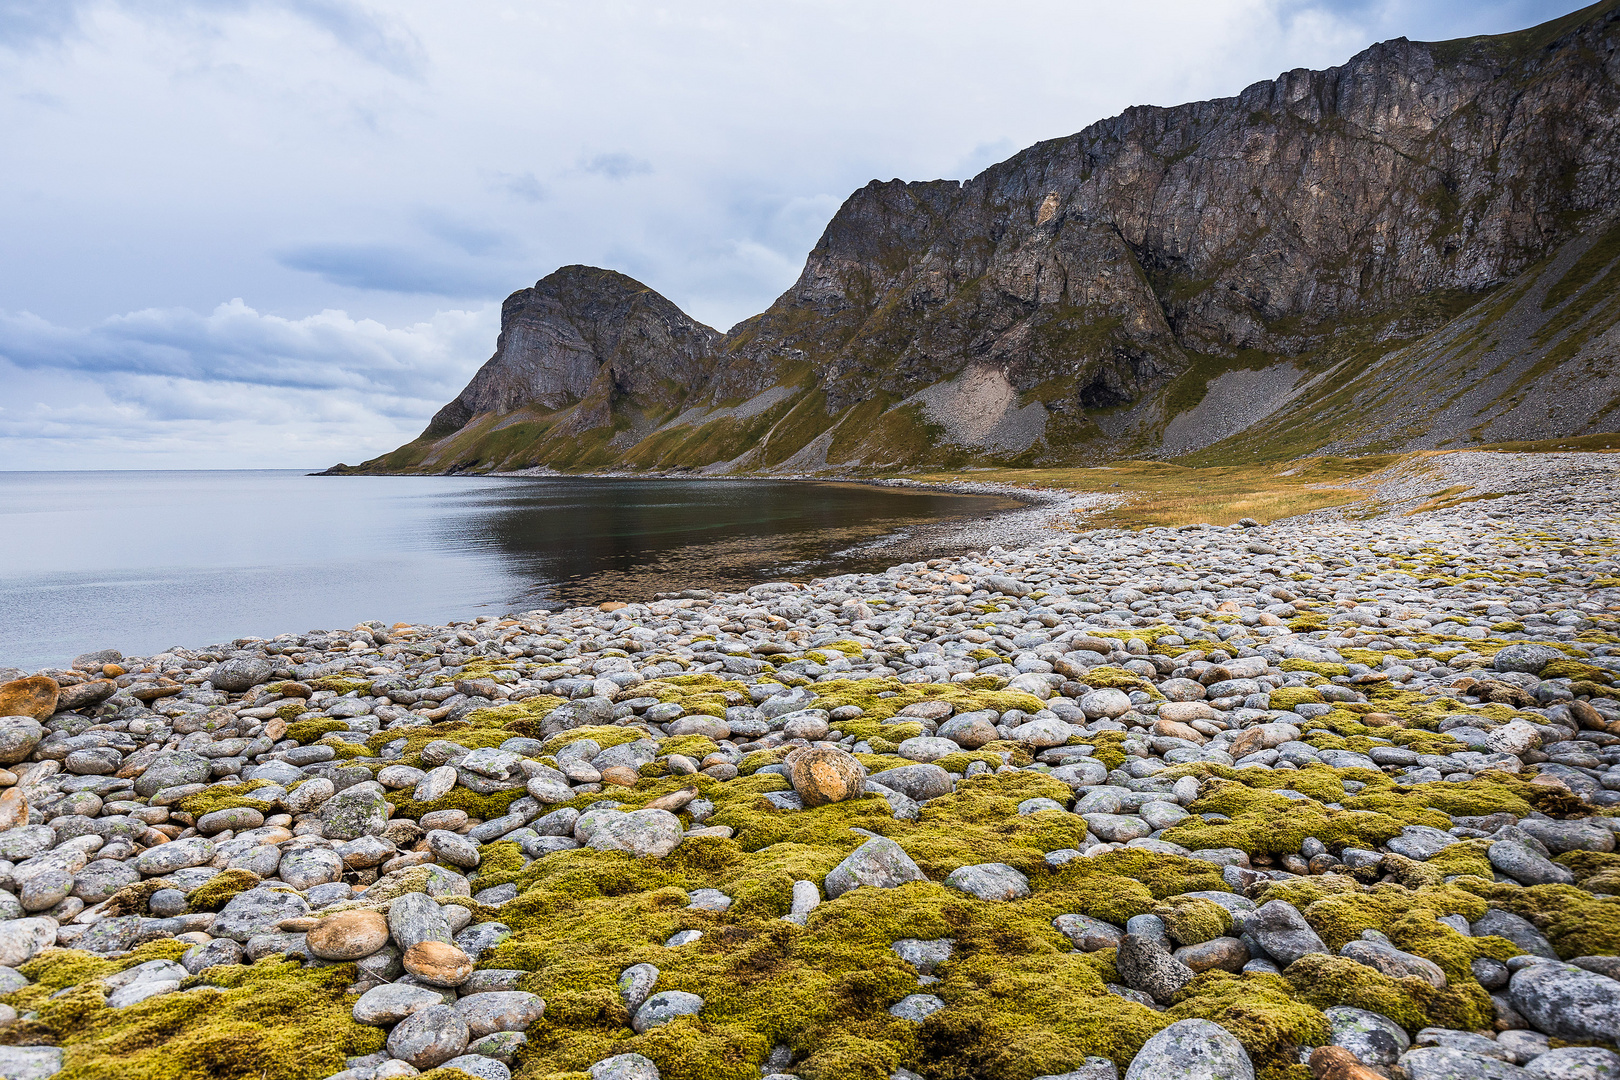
648 834
826 775
1191 1050
18 737
33 697
1526 656
241 674
880 863
1567 1002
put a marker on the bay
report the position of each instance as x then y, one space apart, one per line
140 561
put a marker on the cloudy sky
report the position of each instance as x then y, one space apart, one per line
276 233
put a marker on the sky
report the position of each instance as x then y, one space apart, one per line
277 233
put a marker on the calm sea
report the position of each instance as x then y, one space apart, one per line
140 561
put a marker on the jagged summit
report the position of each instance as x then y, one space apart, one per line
1413 248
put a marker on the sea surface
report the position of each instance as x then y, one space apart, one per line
140 561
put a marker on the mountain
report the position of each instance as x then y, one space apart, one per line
1417 248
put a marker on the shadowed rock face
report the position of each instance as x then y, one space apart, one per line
588 338
1105 279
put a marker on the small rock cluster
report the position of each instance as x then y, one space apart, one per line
1319 759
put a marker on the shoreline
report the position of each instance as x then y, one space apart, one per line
1154 766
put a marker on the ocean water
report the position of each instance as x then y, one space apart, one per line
140 561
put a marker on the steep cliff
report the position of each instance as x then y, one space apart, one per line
1278 269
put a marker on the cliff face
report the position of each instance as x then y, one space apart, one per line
1086 297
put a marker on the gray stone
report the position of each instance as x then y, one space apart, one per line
1394 962
1191 1050
1146 965
1526 866
624 1067
503 1046
636 985
30 1062
429 1037
1095 1068
663 1007
18 737
916 1007
1576 1063
880 863
481 937
176 855
415 918
1375 1039
310 867
388 1004
484 1068
1526 656
1515 928
257 911
1567 1002
1447 1063
916 782
989 881
924 956
171 769
506 1010
1279 929
215 953
1562 836
241 674
649 834
354 812
22 939
1088 934
453 848
1421 842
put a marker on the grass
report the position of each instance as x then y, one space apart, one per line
1163 493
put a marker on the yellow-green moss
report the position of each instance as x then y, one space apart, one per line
308 731
343 684
1288 696
271 1021
1192 921
529 709
225 797
217 891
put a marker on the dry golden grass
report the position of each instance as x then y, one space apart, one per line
1161 493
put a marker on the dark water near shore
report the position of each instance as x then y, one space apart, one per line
140 561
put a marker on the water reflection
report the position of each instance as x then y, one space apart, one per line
140 561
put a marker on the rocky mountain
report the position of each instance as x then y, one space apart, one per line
1413 249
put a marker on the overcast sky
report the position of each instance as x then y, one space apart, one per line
276 233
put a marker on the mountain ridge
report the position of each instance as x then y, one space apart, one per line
1308 241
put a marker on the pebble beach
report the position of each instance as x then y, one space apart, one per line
1332 798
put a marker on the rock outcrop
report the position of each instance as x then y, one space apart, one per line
1274 271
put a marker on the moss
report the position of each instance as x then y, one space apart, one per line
696 747
1261 1010
459 732
1106 676
958 763
225 797
1192 921
292 710
484 807
271 1021
1264 822
702 692
308 731
342 684
499 863
217 891
1575 921
1572 669
1288 696
1317 667
1323 980
1594 871
503 716
1109 748
864 693
603 735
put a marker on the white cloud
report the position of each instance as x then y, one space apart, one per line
231 389
396 160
